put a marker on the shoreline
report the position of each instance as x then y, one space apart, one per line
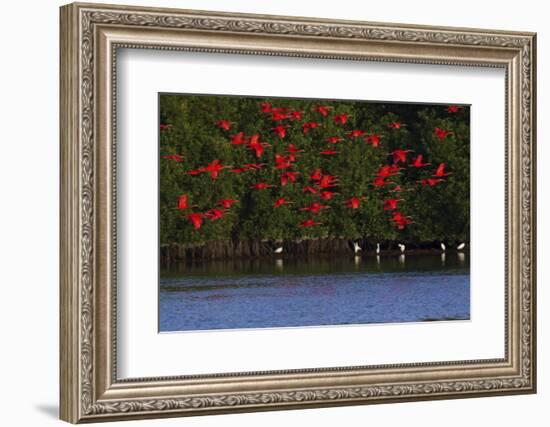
175 253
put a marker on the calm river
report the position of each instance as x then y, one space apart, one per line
327 291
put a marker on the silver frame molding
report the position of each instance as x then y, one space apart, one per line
90 37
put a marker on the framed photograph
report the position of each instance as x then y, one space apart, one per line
266 212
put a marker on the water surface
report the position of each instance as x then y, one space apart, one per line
283 292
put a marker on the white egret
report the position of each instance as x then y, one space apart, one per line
279 250
443 247
377 248
461 246
401 247
356 247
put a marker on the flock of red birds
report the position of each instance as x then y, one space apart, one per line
320 184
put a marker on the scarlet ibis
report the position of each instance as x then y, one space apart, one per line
356 133
309 189
443 247
323 110
309 125
327 181
354 202
196 172
401 247
461 246
165 126
282 162
400 155
261 186
214 168
255 145
196 219
391 204
214 214
373 139
254 166
380 181
227 203
417 162
316 175
442 133
183 202
396 125
280 130
356 247
265 107
387 171
296 115
329 152
432 182
293 150
288 177
238 139
281 202
341 119
400 220
309 223
315 207
328 195
334 139
239 170
174 157
440 171
224 124
278 116
453 109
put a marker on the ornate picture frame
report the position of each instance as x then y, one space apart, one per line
90 37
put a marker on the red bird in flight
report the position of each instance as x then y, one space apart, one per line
391 204
261 186
309 125
310 189
288 177
174 157
165 126
316 175
400 155
334 139
323 110
238 139
373 139
356 133
257 146
224 124
328 181
432 182
214 214
354 202
453 109
183 202
440 171
341 119
442 133
281 202
396 125
196 219
227 203
417 162
315 207
327 195
309 223
280 130
214 168
295 115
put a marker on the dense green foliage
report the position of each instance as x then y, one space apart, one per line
440 212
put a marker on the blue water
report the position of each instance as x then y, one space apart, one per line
282 293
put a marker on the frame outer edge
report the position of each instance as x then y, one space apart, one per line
69 355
